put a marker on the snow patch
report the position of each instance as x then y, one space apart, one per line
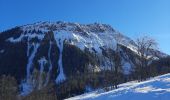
94 41
166 80
144 89
126 68
30 35
59 37
30 60
50 64
26 89
42 63
2 51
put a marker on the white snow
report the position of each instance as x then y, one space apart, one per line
60 37
30 59
49 52
29 35
166 79
27 85
26 88
50 64
29 46
67 32
135 50
2 51
144 89
94 41
127 68
15 40
91 41
157 88
42 63
130 46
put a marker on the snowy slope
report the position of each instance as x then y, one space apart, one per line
96 37
47 46
157 88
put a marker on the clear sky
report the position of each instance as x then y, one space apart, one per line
130 17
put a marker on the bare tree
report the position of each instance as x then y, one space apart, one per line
145 49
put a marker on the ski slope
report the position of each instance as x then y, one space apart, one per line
157 88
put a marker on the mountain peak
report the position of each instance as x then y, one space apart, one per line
75 27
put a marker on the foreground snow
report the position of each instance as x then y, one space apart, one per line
157 88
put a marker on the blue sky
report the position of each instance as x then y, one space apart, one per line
131 17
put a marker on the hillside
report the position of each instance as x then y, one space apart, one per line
157 88
71 56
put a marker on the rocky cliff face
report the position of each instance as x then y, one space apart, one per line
59 50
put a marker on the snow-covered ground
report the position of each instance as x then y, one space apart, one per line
157 88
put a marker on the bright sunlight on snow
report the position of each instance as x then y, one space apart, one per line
157 88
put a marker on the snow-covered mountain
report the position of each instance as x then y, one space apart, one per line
58 50
157 88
